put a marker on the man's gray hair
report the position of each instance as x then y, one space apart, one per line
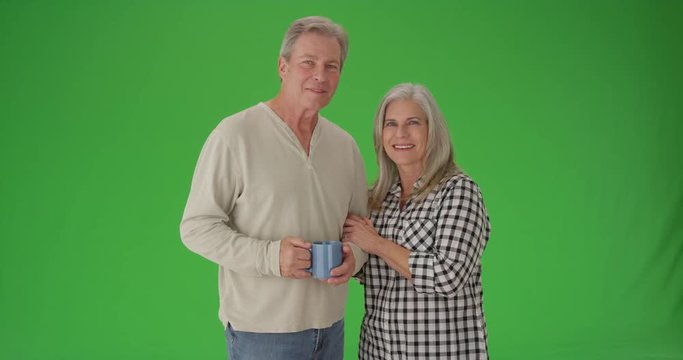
319 25
439 162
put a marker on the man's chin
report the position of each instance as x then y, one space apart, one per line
316 105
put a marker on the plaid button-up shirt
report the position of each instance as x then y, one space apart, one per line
437 315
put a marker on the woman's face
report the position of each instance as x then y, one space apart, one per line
404 134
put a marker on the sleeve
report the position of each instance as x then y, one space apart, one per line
460 238
205 227
359 202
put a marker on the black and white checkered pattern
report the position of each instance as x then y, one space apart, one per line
439 314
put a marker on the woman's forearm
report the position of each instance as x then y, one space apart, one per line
396 256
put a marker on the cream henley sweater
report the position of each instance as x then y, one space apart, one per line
254 185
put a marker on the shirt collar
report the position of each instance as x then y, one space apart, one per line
395 189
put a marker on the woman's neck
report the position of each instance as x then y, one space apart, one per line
408 177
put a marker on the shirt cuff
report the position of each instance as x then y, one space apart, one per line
360 256
271 260
422 270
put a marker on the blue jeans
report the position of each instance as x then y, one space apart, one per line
314 344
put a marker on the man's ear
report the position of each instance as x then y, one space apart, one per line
281 67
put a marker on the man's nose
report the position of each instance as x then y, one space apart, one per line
319 74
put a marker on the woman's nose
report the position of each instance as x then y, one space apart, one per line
401 131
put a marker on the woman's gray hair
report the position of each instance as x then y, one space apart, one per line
319 25
439 162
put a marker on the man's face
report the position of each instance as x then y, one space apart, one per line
311 74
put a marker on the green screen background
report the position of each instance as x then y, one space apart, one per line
569 115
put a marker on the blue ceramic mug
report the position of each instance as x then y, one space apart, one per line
325 256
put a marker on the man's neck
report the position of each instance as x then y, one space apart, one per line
299 119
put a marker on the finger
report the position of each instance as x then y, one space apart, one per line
356 218
342 270
299 242
302 254
351 221
301 264
368 221
346 241
301 274
351 215
351 229
337 280
345 268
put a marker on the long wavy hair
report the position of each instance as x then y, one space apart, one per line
439 161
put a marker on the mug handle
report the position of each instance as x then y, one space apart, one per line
310 268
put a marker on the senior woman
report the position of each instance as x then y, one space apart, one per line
426 234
